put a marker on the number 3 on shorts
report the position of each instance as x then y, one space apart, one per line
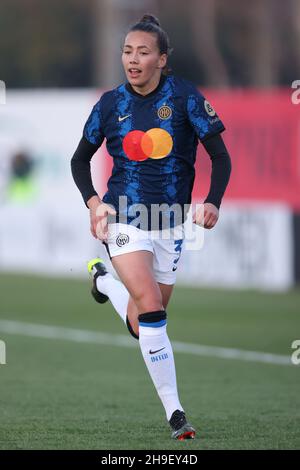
178 248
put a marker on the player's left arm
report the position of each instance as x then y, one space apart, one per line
208 127
208 215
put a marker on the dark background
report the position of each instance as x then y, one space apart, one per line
218 43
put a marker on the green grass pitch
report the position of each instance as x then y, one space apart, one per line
59 394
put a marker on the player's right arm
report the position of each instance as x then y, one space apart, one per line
91 140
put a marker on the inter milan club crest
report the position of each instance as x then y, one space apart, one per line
122 239
164 112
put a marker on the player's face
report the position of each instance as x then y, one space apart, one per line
142 60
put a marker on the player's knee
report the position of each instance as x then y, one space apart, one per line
150 305
148 301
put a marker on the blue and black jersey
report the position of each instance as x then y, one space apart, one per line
153 140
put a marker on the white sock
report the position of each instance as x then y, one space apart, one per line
161 366
116 291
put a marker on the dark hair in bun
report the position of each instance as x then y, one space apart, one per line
150 19
151 24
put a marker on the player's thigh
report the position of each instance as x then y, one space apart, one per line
135 270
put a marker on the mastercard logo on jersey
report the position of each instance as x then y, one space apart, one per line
155 143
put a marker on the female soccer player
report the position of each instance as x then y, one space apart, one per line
152 124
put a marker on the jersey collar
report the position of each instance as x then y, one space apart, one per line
153 92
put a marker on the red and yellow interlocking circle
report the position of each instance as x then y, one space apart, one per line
155 143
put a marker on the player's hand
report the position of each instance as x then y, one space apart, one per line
207 215
99 212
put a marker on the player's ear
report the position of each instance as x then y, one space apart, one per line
162 61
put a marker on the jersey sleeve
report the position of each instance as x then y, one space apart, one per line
93 129
202 116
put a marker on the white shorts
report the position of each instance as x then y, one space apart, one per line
166 246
